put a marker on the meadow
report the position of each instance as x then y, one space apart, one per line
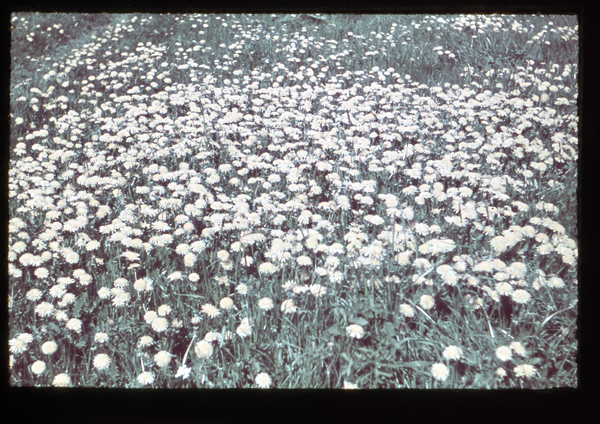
293 201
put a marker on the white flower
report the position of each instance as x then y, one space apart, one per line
407 310
145 341
43 309
203 349
518 348
162 358
223 255
263 380
25 338
504 353
317 290
150 316
146 378
244 329
49 347
101 337
164 310
427 302
160 324
33 294
211 336
38 367
17 346
74 324
210 310
175 276
226 303
521 296
183 372
525 370
349 385
267 268
265 304
288 306
440 371
61 380
355 330
101 361
304 261
452 352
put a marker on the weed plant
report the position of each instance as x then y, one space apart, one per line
293 201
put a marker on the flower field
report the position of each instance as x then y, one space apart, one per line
293 201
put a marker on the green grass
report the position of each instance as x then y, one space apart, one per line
456 79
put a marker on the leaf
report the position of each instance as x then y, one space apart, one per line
334 330
78 305
524 333
415 364
477 380
417 339
368 314
359 321
388 327
536 361
481 381
52 327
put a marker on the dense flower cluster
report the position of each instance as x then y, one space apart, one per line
162 177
